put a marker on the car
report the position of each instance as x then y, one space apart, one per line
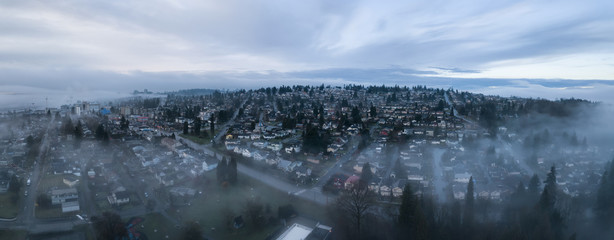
146 195
25 193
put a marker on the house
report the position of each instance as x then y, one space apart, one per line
119 198
351 182
397 190
274 147
296 231
258 156
303 171
284 165
246 153
271 160
462 177
384 191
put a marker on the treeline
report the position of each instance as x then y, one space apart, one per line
531 212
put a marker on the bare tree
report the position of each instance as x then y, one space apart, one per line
354 204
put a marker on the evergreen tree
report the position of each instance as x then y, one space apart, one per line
373 111
186 127
469 213
366 175
212 124
605 197
100 132
232 171
551 187
192 231
534 188
124 124
78 134
197 124
221 170
411 219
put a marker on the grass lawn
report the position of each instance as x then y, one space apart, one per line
7 208
13 234
52 212
204 140
156 227
50 181
217 204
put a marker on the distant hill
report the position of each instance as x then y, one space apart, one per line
193 92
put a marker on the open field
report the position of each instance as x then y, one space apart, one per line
218 205
7 208
51 181
13 234
157 227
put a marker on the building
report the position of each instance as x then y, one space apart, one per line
299 231
119 198
72 206
296 231
59 196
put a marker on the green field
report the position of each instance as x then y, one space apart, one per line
50 181
218 204
7 208
157 227
199 140
13 234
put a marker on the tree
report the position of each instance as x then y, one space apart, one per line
100 132
253 211
212 124
43 200
366 175
534 188
551 189
411 220
605 196
191 231
68 127
109 226
197 124
354 204
221 170
30 141
469 201
373 111
14 185
232 171
78 134
124 124
399 170
356 118
186 127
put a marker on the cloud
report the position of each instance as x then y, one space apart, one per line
69 44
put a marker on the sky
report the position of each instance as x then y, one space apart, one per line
536 48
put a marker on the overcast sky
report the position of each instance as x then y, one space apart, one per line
114 45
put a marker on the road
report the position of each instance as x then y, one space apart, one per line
27 216
26 219
222 133
447 98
